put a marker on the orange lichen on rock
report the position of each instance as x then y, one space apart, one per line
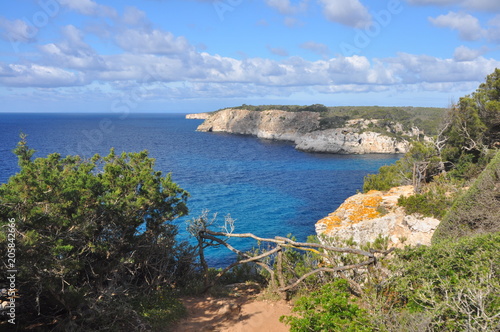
355 209
331 221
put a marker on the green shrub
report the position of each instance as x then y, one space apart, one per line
330 309
455 284
90 235
477 210
433 203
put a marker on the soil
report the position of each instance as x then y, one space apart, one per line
242 310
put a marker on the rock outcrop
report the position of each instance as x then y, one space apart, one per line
272 124
304 130
345 141
363 218
198 116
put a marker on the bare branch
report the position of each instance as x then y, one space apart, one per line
327 269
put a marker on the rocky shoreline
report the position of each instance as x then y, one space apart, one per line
304 130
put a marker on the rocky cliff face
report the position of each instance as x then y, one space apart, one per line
271 124
346 141
303 128
199 116
365 217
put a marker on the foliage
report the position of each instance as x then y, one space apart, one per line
400 173
432 203
455 284
332 308
89 232
478 209
450 286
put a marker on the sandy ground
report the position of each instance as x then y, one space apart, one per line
241 311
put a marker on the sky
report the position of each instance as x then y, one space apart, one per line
203 55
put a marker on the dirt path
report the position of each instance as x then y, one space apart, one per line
241 311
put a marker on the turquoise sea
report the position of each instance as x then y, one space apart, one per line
268 187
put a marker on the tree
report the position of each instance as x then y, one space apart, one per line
88 231
475 121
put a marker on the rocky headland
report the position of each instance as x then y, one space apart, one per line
304 129
363 218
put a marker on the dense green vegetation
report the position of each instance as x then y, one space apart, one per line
95 245
450 286
478 209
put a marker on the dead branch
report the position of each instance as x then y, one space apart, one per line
282 242
327 269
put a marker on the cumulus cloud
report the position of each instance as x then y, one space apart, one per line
17 31
89 7
467 25
41 76
278 51
486 5
347 12
134 16
317 48
72 51
152 42
286 7
463 53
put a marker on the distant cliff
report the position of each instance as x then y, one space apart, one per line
304 129
200 116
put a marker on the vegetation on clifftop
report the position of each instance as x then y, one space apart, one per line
463 150
424 118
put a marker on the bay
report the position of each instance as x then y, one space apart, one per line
268 187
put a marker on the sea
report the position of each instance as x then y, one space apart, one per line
267 187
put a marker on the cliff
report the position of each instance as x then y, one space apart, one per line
305 131
365 217
272 124
199 116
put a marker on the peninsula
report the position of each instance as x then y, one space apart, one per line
317 128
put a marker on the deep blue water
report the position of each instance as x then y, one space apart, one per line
267 186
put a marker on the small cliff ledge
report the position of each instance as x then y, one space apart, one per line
365 217
198 116
345 141
304 130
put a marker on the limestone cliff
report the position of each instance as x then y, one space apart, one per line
345 141
364 217
200 116
270 124
304 129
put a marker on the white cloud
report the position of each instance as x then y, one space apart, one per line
72 52
347 12
286 7
134 16
89 7
152 42
485 5
463 53
467 25
17 31
278 51
41 76
315 47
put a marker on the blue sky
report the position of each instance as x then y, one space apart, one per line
202 55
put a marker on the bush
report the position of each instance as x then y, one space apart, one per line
92 234
330 309
455 284
477 210
432 203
